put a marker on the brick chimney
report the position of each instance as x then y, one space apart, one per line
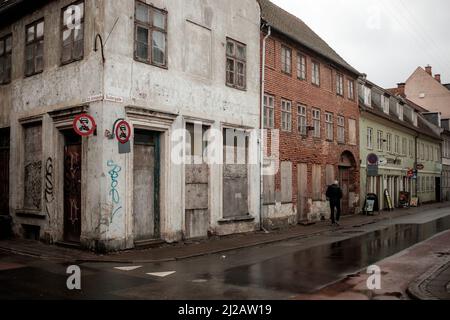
437 77
401 89
429 69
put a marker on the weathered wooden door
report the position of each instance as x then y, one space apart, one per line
72 188
302 189
146 186
344 180
4 172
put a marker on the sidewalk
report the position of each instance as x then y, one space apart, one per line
433 285
179 251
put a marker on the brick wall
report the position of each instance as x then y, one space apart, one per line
306 149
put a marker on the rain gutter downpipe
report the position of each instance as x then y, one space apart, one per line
261 142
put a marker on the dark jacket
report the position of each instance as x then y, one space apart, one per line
334 193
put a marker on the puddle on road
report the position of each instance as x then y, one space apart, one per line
311 269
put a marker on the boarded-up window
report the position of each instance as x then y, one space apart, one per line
196 143
270 53
352 131
33 167
235 173
317 182
286 182
330 178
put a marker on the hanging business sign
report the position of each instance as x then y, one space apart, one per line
84 125
123 132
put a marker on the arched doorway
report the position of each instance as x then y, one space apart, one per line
347 168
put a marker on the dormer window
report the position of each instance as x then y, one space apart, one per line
367 96
385 104
400 111
414 118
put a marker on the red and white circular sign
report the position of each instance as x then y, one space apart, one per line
84 125
123 132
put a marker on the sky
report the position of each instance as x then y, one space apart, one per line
386 39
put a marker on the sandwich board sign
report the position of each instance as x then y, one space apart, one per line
84 125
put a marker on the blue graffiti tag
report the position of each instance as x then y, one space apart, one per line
114 174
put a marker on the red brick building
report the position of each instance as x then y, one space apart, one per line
310 96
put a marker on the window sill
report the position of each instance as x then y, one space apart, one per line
236 219
24 213
71 61
165 67
33 74
235 87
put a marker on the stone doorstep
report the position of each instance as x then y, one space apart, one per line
212 246
422 288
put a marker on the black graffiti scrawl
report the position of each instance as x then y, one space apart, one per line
33 185
49 195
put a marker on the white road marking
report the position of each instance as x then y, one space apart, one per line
131 268
161 274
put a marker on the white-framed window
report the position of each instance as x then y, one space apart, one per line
389 142
329 126
286 115
397 145
302 121
369 138
380 140
340 84
351 90
315 73
301 66
411 148
286 60
269 111
367 96
404 146
427 154
341 129
385 104
316 122
400 111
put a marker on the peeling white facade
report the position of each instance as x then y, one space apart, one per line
191 89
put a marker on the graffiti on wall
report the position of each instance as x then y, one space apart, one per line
114 174
33 185
49 189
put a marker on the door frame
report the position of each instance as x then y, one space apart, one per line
157 183
145 119
63 121
65 133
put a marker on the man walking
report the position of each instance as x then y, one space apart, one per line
334 195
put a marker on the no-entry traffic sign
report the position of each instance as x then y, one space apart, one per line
84 125
123 132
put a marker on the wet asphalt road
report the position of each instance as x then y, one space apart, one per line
277 271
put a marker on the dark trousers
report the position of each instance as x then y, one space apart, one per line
335 205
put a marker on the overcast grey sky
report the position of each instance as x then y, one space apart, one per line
387 39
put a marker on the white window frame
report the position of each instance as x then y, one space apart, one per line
286 115
269 111
316 113
369 138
